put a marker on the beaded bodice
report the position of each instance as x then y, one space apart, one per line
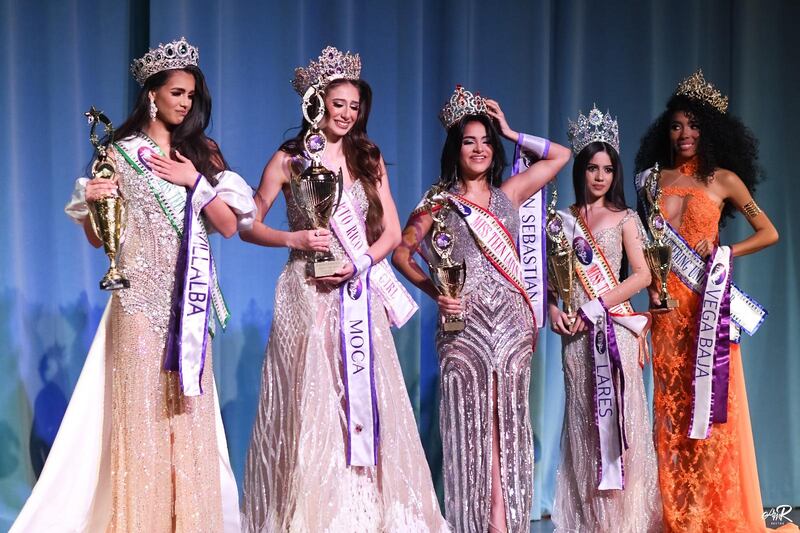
479 270
149 251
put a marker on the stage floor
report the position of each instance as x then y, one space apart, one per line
546 526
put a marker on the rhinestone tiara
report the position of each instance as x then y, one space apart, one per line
461 104
697 88
331 65
595 127
175 55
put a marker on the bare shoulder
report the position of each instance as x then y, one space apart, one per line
726 178
726 183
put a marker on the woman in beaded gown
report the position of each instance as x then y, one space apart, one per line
580 504
484 369
302 473
141 447
709 171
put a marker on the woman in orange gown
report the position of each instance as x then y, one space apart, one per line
709 170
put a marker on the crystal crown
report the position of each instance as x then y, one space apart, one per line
596 127
697 88
331 65
177 54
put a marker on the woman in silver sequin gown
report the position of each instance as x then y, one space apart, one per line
484 369
133 452
579 505
297 477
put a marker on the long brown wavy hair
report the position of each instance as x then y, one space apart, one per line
362 155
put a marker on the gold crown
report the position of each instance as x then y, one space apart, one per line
175 55
331 65
461 104
697 88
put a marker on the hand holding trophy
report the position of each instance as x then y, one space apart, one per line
107 214
448 276
658 253
317 190
560 257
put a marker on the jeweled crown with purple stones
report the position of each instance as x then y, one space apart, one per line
331 65
461 104
174 55
596 127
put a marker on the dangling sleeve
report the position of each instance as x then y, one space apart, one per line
76 208
238 195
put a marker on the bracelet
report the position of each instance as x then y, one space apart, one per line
751 209
363 264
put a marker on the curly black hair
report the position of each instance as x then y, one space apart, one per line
725 142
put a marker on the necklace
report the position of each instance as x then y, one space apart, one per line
689 168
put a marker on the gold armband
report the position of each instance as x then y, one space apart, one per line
751 209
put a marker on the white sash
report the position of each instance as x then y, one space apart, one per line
712 347
359 373
348 226
531 243
608 412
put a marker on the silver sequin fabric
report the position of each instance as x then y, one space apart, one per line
497 344
164 462
296 476
579 506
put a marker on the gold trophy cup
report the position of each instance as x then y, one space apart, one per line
107 215
317 190
658 253
448 276
560 257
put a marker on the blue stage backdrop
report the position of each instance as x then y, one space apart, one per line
543 60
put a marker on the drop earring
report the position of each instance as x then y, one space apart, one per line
153 110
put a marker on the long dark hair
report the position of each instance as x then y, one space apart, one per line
615 195
189 136
451 152
362 155
725 142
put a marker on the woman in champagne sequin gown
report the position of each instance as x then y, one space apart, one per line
136 453
709 170
297 477
579 505
485 369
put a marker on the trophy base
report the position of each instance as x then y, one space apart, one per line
323 269
667 304
453 324
113 281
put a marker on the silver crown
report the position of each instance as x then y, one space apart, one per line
175 55
461 104
596 127
331 65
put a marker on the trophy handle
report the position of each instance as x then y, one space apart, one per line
339 189
298 198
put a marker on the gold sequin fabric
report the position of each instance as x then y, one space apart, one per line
296 476
579 505
497 343
164 461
